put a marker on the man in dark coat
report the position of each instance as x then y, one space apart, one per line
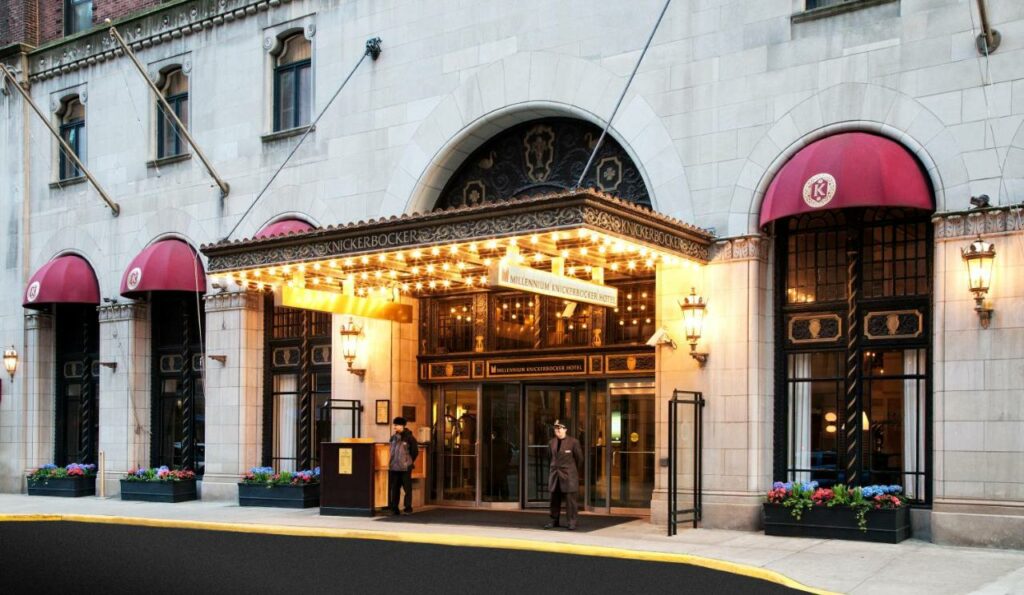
564 476
403 451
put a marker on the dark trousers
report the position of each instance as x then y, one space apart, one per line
572 507
399 480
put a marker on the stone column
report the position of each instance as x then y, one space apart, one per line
234 390
39 377
736 382
125 390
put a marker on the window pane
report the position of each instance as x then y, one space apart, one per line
303 98
77 16
285 100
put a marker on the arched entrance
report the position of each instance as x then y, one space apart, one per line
853 315
539 157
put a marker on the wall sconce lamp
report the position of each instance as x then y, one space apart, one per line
693 319
979 256
11 361
350 334
220 359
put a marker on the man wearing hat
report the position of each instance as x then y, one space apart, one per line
564 476
403 451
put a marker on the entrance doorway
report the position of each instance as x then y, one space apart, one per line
492 443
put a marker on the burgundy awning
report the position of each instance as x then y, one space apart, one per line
64 280
852 169
167 265
283 227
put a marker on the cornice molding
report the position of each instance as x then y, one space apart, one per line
163 24
754 247
123 312
969 224
38 321
232 300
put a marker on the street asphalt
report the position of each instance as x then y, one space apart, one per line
81 557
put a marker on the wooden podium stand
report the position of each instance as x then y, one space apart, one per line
347 478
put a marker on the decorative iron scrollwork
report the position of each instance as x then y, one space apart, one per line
894 324
814 328
541 156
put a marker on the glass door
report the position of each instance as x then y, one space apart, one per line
544 404
458 454
632 446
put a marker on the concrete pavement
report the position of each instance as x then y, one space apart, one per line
843 566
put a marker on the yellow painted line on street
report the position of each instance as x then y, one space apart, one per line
506 543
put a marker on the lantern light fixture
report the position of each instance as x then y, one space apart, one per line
979 256
350 339
11 361
693 307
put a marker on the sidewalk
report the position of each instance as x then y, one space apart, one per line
842 566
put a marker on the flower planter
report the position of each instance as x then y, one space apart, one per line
287 496
883 526
158 491
67 487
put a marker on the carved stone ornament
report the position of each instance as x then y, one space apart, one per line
309 31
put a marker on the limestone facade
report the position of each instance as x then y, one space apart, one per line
729 90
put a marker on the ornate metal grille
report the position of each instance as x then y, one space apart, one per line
543 156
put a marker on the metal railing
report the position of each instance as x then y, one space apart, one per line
682 399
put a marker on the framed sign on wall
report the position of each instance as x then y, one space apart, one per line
383 412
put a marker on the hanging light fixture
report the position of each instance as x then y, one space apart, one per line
693 320
11 361
350 339
979 257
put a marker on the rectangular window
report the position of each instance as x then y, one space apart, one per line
77 16
169 140
292 95
73 134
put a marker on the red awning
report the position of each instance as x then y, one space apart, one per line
283 227
64 280
852 169
167 265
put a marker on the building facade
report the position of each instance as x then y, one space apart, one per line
814 171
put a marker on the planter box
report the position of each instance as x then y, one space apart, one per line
68 487
158 491
301 496
884 526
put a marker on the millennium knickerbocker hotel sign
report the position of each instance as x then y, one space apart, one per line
550 284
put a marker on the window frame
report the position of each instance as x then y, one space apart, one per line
164 126
72 133
295 68
72 25
854 223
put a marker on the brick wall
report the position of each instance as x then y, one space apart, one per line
19 22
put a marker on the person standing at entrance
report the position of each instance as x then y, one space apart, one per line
564 476
403 451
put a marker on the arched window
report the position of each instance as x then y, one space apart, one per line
72 130
169 141
854 348
293 84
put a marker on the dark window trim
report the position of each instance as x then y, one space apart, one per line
69 28
296 94
825 12
180 147
780 458
68 169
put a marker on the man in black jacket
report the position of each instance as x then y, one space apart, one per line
564 476
403 449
